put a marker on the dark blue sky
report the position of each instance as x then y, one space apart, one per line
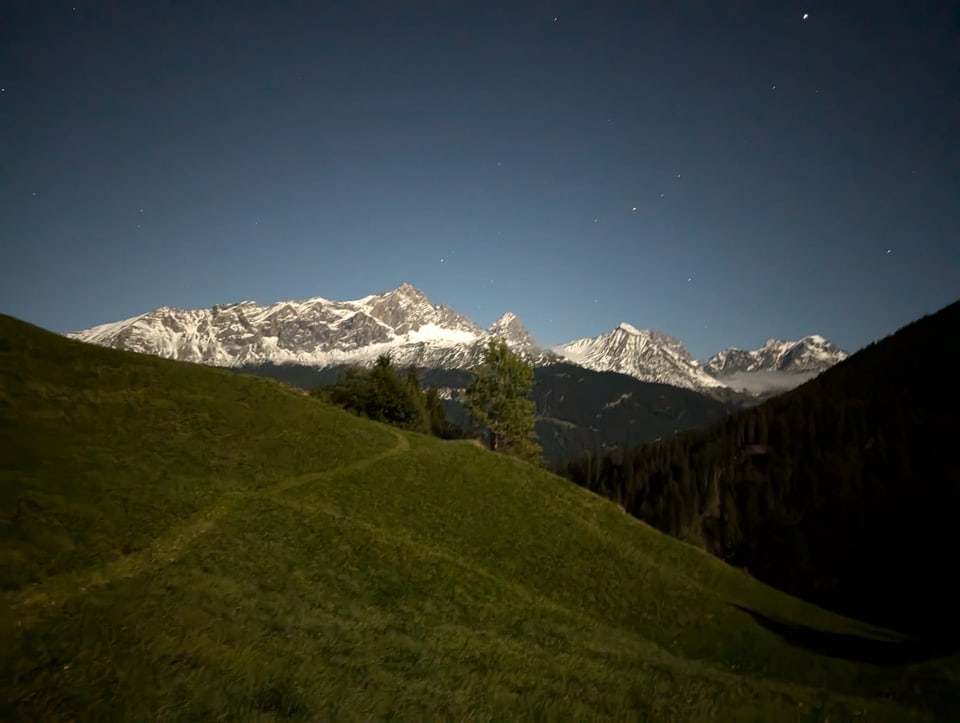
789 175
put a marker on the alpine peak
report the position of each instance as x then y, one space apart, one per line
509 328
405 324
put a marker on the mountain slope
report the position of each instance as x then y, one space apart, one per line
405 324
578 410
183 543
509 328
810 354
650 356
316 331
844 490
775 367
583 411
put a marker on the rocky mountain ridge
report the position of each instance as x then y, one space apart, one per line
405 324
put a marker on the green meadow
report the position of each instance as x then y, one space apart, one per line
182 543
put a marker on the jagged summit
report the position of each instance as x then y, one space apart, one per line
404 323
811 354
316 332
509 328
648 355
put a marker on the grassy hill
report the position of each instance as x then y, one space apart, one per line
843 491
578 410
181 543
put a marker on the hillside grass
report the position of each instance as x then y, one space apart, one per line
181 543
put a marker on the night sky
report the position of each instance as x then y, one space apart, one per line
724 172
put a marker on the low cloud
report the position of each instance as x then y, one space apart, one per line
766 381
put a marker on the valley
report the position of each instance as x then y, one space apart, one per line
180 541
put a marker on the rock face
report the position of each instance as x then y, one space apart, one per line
650 356
809 354
413 331
509 328
316 332
776 367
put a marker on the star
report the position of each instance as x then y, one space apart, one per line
441 260
594 220
661 195
889 250
806 15
555 19
140 211
773 88
634 208
689 278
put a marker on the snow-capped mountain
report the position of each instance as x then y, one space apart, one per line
404 323
509 328
315 332
650 356
809 354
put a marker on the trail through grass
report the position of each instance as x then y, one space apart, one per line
178 543
56 590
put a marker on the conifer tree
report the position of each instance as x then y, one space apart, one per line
498 402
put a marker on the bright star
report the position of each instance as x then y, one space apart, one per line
805 16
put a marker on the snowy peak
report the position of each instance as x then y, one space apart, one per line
406 309
316 332
405 324
811 354
648 355
509 328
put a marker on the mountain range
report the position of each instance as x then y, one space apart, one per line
404 323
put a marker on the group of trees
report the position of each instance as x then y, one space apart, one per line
501 411
844 491
386 394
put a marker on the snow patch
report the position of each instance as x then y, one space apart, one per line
433 332
620 400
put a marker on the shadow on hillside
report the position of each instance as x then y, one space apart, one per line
853 647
